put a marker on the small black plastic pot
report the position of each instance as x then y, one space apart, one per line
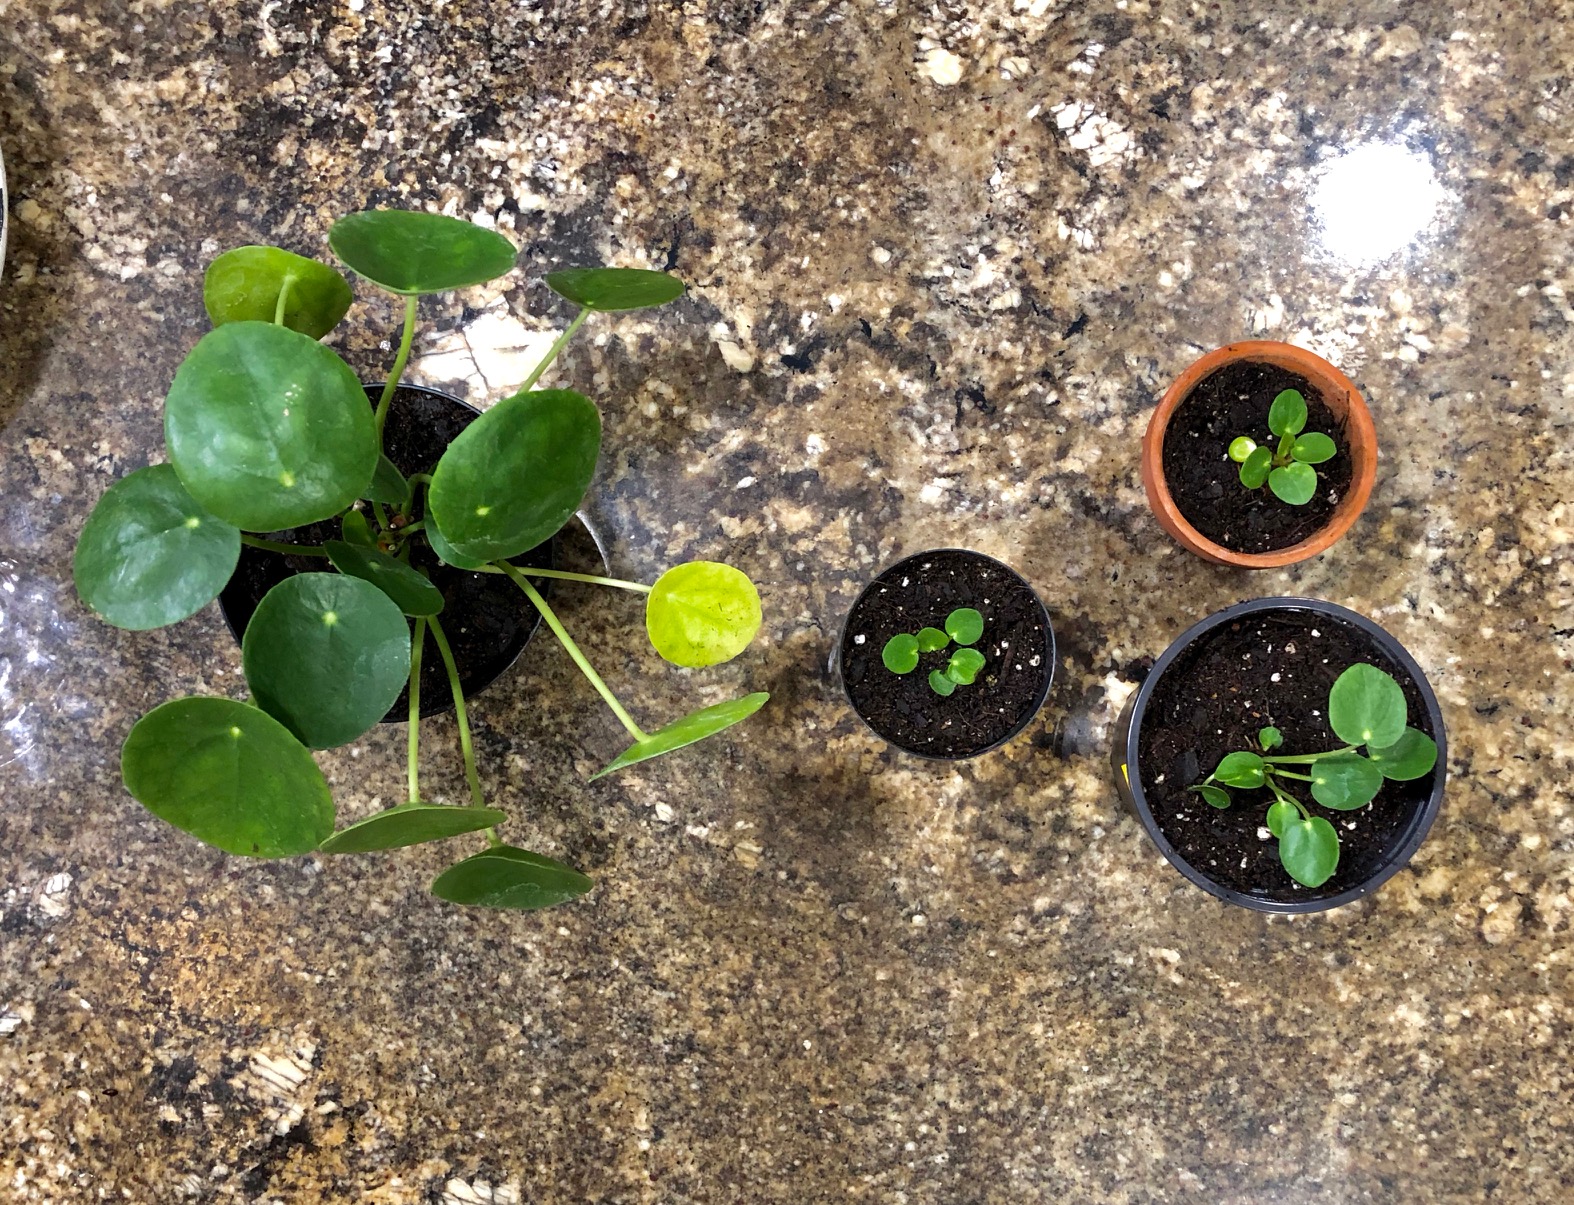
486 618
1126 768
921 590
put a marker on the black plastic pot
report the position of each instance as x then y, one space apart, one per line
486 618
1401 844
921 590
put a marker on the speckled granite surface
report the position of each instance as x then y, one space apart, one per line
944 259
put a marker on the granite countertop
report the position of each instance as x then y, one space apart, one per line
943 260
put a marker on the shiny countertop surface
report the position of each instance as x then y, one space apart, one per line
943 261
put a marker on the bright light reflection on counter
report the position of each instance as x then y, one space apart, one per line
1374 200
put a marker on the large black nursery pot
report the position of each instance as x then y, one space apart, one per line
1018 646
1396 822
486 617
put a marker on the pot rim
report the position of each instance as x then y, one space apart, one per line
1341 395
1397 856
1027 717
439 707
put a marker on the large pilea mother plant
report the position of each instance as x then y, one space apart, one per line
269 430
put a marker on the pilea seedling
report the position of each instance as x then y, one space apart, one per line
268 430
1366 708
965 626
1287 468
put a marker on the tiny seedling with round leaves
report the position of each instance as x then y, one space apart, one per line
267 430
964 625
1366 709
1287 468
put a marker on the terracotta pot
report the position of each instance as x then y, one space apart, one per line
1343 398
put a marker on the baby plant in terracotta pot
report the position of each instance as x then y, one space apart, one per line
277 450
1261 454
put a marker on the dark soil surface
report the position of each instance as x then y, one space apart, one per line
1270 668
485 616
1018 648
1205 482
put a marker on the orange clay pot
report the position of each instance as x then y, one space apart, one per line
1343 398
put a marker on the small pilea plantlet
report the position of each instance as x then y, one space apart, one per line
268 430
1366 708
1286 468
965 626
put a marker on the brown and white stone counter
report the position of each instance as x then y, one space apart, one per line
943 260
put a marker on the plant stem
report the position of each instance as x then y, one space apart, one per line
1306 759
1291 774
552 352
415 709
379 513
564 576
409 529
1284 797
400 360
281 546
284 298
471 776
572 649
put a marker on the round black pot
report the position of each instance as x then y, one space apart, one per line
486 618
1402 839
1018 645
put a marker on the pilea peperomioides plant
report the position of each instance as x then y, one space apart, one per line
269 430
965 626
1366 708
1287 469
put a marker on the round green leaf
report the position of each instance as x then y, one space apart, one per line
964 666
609 289
409 252
1345 781
326 655
1254 470
1241 447
702 613
941 683
356 530
1295 483
932 640
964 625
1411 756
1366 707
695 726
409 824
1309 850
411 593
1287 415
508 877
228 775
243 285
1280 816
1243 769
1313 448
269 429
446 551
900 653
516 474
388 484
1269 738
149 555
1216 796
